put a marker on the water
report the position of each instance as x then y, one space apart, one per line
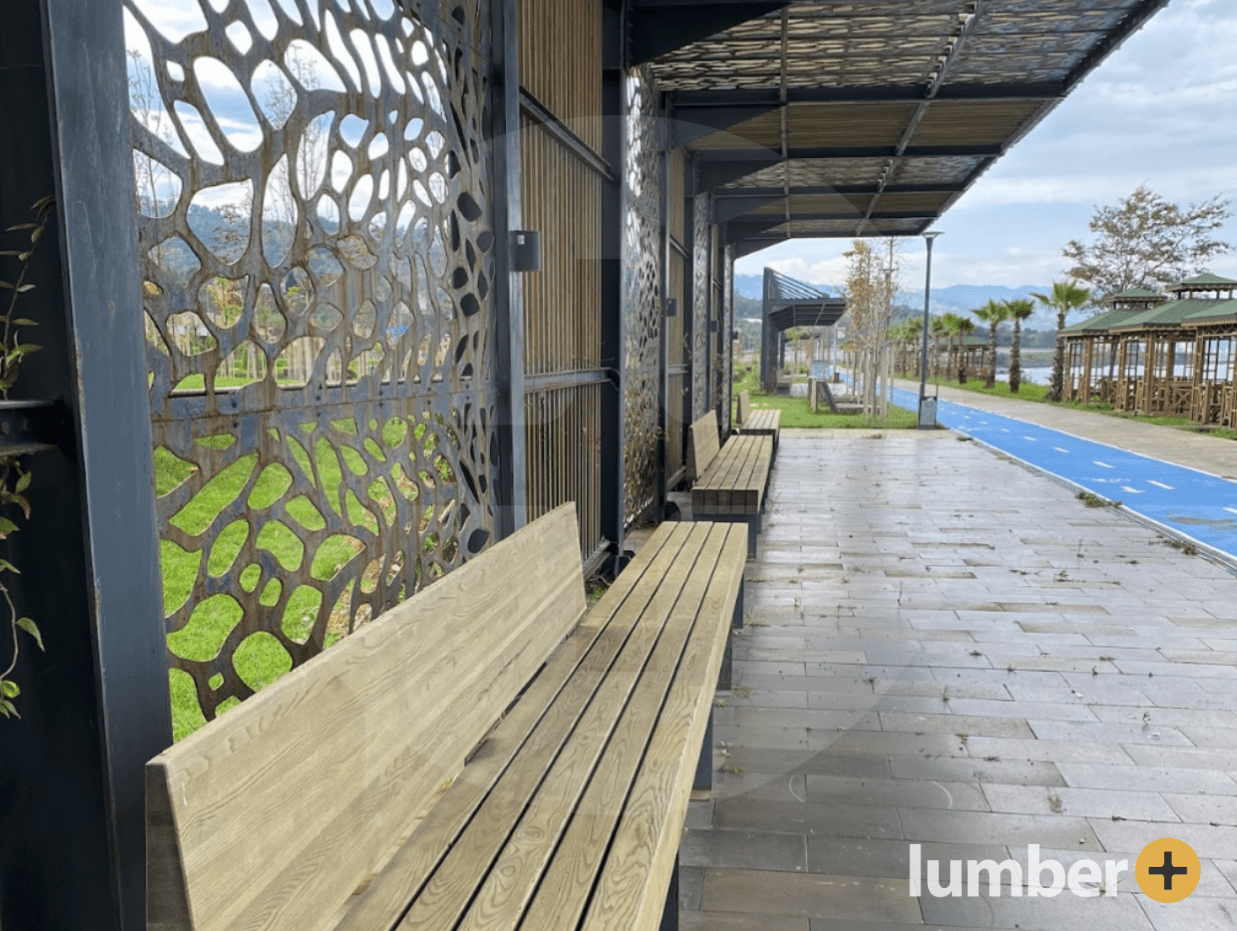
1036 376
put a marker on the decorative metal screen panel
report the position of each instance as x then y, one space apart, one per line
314 234
642 167
700 305
727 315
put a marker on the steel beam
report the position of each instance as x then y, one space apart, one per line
508 291
613 328
756 193
685 103
95 705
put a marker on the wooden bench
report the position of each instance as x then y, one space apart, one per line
731 480
312 805
759 423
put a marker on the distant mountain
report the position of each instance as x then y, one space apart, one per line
956 298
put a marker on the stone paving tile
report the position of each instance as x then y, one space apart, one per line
918 652
748 850
808 895
1102 776
1088 802
899 793
1194 914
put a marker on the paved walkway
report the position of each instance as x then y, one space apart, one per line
1192 450
946 648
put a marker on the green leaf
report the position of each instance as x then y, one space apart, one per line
24 256
34 237
6 526
5 284
25 321
24 288
22 503
24 482
21 226
9 689
29 627
7 709
5 565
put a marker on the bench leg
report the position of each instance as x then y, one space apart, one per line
670 914
725 678
704 767
753 528
736 619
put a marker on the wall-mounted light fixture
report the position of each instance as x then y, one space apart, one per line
526 250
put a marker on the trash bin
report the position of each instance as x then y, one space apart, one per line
927 413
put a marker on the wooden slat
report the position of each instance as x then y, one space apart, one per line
619 722
736 480
631 891
707 598
744 408
279 807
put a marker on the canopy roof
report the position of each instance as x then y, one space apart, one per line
822 118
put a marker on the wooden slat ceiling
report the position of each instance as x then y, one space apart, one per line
872 117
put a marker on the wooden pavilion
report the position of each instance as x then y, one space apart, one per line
1155 355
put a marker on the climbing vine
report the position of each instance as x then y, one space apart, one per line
14 480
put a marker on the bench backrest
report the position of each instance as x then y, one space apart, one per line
270 816
745 407
702 444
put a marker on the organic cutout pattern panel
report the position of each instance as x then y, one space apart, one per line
642 299
314 233
700 305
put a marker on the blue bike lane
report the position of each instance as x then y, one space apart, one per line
1197 504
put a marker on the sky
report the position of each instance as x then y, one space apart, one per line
1161 110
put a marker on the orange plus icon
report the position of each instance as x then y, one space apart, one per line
1167 870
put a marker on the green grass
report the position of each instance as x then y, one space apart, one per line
1038 393
261 658
796 413
1027 391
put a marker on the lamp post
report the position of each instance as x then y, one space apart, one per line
927 418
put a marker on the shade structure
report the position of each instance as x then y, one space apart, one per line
790 303
823 119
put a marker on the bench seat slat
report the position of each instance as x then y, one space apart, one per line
596 786
647 840
527 734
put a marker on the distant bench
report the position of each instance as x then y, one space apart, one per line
300 807
760 423
731 480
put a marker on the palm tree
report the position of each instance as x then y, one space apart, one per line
965 327
938 329
993 314
1066 296
1019 309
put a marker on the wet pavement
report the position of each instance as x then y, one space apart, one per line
948 649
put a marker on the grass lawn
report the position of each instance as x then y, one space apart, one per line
797 414
1033 392
260 659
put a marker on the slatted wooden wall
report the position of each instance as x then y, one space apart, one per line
678 348
560 69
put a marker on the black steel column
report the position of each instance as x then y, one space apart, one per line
508 291
613 333
95 705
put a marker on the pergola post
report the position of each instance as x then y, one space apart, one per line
94 707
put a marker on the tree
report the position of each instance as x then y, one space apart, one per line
870 286
1145 241
994 314
1066 297
1019 309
